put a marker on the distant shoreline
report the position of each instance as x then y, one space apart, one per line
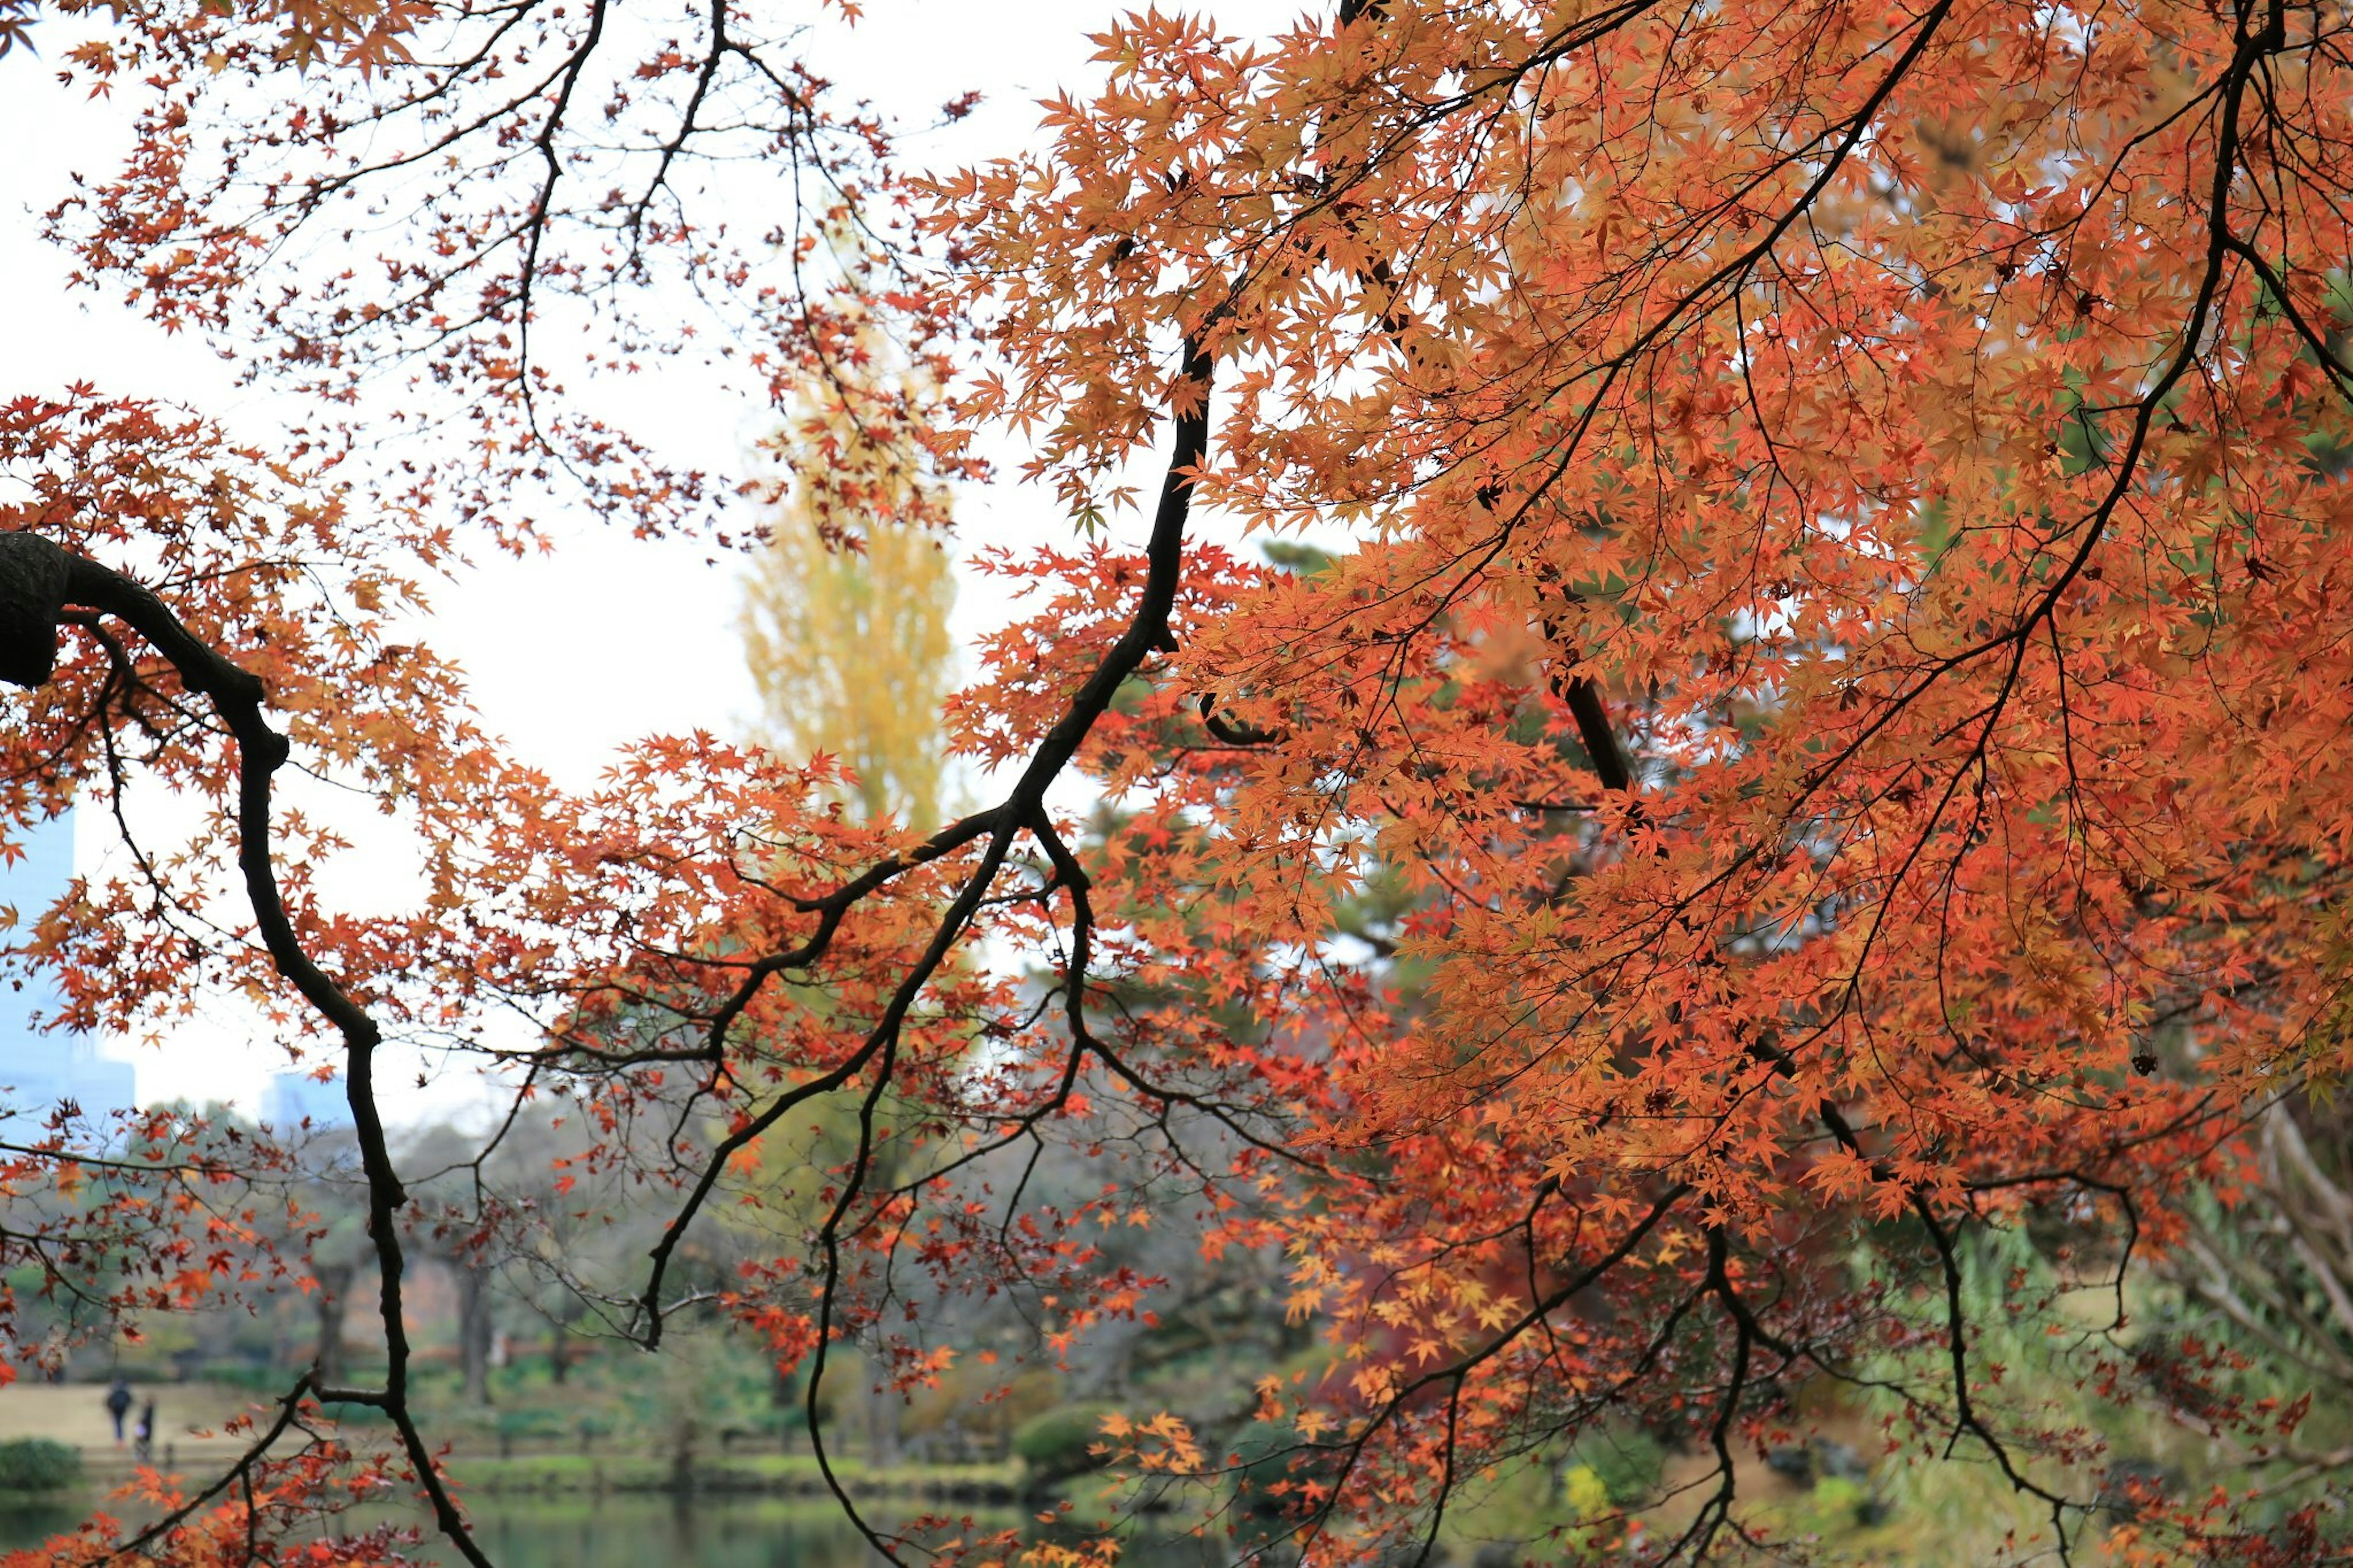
773 1474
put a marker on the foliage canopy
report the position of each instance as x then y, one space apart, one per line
1823 731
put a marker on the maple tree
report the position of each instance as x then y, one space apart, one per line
1835 667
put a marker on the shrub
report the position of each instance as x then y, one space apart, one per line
1599 1533
528 1423
1056 1446
1275 1467
1839 1502
38 1464
1628 1464
778 1419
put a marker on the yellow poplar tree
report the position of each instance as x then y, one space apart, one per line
846 618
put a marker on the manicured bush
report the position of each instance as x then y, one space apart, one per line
1056 1446
1274 1467
1839 1503
1628 1463
779 1419
38 1464
528 1424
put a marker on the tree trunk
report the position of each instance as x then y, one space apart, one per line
334 1285
681 1455
474 1331
883 1428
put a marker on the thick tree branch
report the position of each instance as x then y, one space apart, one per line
36 573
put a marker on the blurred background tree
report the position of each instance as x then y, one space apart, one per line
846 617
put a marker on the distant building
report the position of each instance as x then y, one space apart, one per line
38 1070
292 1097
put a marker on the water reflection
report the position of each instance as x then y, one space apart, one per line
637 1531
24 1522
706 1532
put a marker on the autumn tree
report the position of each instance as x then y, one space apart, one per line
845 616
1833 644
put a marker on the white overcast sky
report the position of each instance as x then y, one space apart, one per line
537 639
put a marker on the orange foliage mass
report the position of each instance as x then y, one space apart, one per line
1833 654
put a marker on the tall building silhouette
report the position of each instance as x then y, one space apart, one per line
294 1098
40 1069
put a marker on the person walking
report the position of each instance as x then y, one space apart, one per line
118 1404
143 1442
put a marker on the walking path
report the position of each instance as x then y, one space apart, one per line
75 1413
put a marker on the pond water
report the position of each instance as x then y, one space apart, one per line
23 1524
664 1532
640 1531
